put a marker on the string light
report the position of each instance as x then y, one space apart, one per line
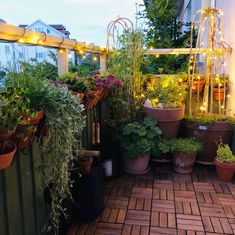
157 55
95 58
228 95
81 52
222 107
151 48
21 40
84 57
61 51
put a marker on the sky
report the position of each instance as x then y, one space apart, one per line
86 20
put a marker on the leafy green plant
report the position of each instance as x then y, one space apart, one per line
162 146
13 105
76 83
168 93
224 154
138 138
125 63
188 145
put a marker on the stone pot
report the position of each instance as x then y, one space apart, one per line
136 166
169 120
183 163
225 171
210 135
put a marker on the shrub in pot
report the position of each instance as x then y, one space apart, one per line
184 153
137 141
167 104
224 163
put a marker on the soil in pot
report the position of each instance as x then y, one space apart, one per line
225 171
183 163
7 154
136 166
169 120
210 135
84 164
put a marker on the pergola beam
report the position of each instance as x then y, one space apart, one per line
178 51
12 33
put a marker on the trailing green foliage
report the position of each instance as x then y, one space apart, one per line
224 154
188 145
138 138
64 121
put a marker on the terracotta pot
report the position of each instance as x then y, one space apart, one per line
34 120
198 85
106 92
80 95
225 171
136 166
218 95
23 136
7 157
183 163
6 133
210 135
84 164
169 120
91 99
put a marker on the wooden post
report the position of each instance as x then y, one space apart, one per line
103 58
62 60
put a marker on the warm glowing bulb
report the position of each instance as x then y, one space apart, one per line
222 107
84 57
228 95
21 40
40 41
180 94
61 51
157 56
180 80
198 77
142 95
81 52
151 48
95 58
205 103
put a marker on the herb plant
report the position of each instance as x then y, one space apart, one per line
224 154
188 145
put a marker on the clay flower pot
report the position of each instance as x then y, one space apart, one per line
136 166
169 120
7 155
225 171
183 163
34 120
218 93
84 164
198 85
91 99
80 95
210 135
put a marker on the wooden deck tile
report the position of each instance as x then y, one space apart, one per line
109 228
141 192
163 206
136 217
185 196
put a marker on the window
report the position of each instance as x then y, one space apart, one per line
7 50
48 31
40 30
40 55
21 55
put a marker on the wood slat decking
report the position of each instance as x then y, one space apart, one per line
164 202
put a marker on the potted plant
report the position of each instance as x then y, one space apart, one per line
198 83
137 141
210 129
84 163
224 163
9 118
161 151
220 87
167 105
184 154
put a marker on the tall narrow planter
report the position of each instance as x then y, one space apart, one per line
210 135
169 120
136 166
